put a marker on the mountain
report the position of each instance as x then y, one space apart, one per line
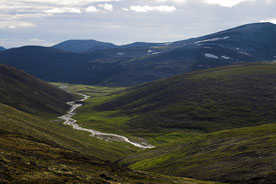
80 46
27 93
247 43
2 49
138 63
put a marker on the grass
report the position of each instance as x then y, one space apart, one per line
25 160
244 155
55 133
35 150
111 121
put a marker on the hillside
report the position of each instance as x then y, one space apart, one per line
138 63
238 156
27 93
80 46
204 101
36 150
33 150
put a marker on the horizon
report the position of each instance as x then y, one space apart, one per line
122 44
48 22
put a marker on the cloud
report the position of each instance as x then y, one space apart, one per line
145 9
63 10
15 24
107 7
269 20
223 3
36 40
57 2
91 9
172 1
227 3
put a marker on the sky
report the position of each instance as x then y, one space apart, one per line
47 22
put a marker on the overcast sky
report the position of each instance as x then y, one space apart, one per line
47 22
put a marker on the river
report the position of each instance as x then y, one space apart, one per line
68 120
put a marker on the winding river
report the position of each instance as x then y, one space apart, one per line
68 120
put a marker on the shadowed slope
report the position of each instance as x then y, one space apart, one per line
25 92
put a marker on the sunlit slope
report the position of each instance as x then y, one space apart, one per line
57 134
207 101
244 155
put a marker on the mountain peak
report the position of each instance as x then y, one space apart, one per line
81 46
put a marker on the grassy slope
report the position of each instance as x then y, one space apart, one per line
244 155
207 101
25 92
57 134
31 153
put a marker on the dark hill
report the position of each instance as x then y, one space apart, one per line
27 93
52 64
83 45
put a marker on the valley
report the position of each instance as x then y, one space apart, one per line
194 111
39 149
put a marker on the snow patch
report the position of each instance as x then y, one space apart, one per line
225 57
212 56
120 54
166 44
212 40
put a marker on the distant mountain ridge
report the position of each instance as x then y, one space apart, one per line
2 49
80 46
85 46
140 62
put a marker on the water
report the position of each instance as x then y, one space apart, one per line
68 120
